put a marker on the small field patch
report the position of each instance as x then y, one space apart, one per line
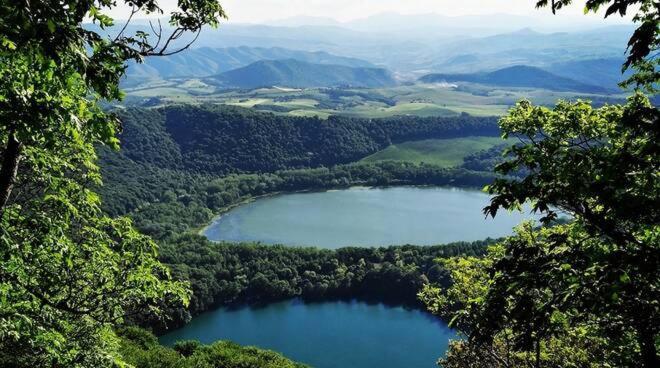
442 152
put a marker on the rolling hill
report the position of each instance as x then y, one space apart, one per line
300 74
423 43
518 76
218 140
206 61
604 72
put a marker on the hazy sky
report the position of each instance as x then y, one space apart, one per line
255 11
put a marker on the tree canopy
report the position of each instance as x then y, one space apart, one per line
69 273
590 288
586 293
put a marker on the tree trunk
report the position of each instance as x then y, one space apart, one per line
647 346
11 157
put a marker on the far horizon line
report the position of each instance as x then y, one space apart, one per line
541 14
586 19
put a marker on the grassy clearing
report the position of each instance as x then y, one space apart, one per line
298 103
419 99
416 109
442 152
249 102
311 113
172 92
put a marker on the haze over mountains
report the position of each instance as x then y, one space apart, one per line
408 46
300 74
518 76
434 24
206 61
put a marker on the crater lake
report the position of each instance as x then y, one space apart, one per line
365 217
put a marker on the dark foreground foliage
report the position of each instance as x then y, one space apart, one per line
141 349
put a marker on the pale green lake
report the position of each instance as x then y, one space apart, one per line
365 217
347 334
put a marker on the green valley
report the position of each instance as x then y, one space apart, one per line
417 100
262 184
441 152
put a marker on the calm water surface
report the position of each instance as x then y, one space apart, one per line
365 217
341 334
329 334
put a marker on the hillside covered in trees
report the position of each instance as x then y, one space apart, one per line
219 140
177 169
81 263
226 274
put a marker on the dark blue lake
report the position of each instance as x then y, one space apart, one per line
330 334
348 334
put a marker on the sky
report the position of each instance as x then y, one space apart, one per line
260 11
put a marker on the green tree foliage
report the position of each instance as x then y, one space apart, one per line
141 349
229 274
519 341
54 71
593 284
601 166
585 293
219 140
68 273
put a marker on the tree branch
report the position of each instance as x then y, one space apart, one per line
10 162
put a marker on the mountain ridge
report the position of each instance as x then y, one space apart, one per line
208 61
300 74
518 76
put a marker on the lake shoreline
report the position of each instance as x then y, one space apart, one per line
316 331
362 216
241 202
419 307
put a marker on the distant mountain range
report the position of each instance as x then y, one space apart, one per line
409 45
518 76
425 24
605 72
301 74
206 61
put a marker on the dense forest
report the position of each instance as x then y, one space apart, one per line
219 140
166 202
228 274
163 179
74 274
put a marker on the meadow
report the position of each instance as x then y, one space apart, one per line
440 152
409 99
